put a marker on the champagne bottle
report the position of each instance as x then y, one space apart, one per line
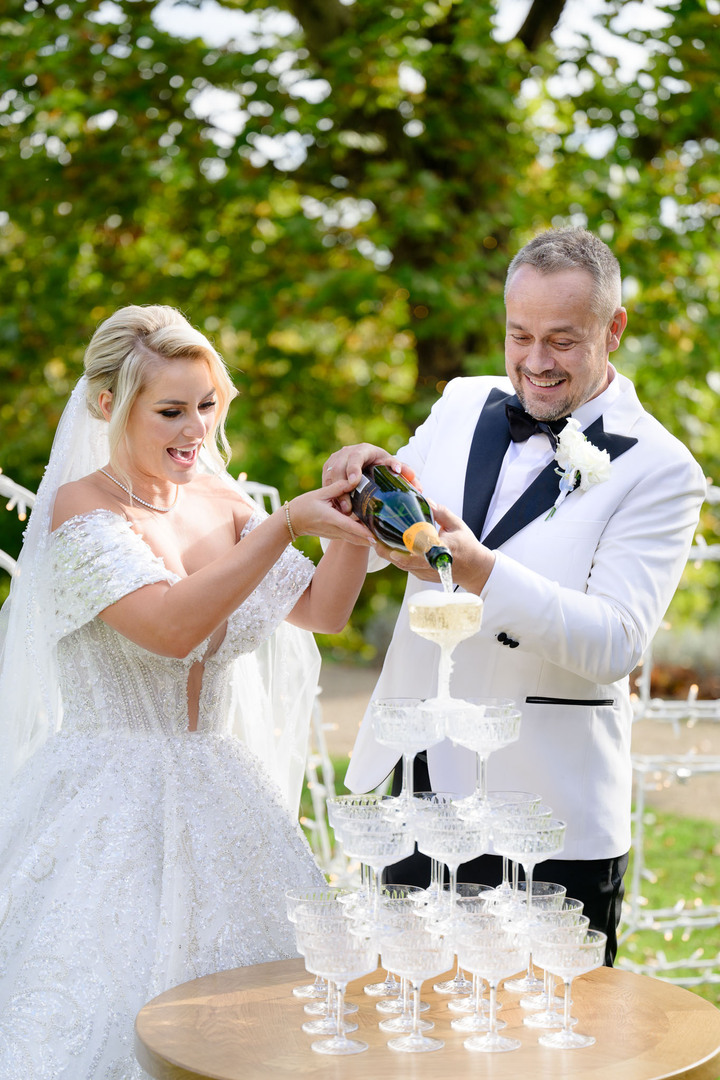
398 514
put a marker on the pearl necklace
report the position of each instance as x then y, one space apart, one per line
150 506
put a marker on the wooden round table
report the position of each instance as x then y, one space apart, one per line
245 1023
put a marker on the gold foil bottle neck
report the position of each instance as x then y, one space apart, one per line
420 537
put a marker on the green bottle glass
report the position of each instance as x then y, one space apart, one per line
398 515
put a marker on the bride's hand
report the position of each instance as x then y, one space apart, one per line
315 513
350 461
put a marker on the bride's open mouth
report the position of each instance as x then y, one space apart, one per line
183 455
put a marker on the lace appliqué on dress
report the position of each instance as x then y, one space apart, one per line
96 559
134 854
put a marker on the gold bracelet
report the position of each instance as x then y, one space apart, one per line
293 537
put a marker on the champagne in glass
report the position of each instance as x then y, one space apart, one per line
447 619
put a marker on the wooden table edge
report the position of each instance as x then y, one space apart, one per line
242 980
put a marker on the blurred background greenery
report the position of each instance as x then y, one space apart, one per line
332 191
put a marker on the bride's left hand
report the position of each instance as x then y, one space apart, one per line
351 460
315 513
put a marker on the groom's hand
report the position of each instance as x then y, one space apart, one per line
349 462
472 562
417 565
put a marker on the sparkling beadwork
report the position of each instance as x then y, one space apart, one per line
135 854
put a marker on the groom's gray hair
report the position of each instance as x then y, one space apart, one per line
575 249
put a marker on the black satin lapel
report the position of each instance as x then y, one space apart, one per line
487 450
605 440
539 497
542 493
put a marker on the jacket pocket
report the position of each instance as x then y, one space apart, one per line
591 702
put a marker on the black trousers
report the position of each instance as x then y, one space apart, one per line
598 883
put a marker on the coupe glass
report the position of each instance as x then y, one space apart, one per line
543 1007
492 952
400 910
378 844
402 1021
316 990
395 902
482 725
416 956
505 803
340 959
546 896
452 842
343 810
389 987
400 905
566 953
351 810
471 899
319 912
529 839
447 619
326 1012
432 806
400 724
475 1018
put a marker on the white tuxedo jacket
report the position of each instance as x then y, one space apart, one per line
575 598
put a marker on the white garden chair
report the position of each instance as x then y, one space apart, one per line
651 771
19 499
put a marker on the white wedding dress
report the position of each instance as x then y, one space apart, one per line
135 854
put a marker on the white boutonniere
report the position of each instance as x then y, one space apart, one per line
580 463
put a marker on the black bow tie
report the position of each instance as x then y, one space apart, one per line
522 425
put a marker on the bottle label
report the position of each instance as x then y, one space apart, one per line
420 537
361 496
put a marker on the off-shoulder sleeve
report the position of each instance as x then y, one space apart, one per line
95 560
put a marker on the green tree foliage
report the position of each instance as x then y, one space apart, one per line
334 194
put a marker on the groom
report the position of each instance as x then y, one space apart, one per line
573 593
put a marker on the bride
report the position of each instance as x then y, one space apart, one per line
154 705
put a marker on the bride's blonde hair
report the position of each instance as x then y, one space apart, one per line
123 348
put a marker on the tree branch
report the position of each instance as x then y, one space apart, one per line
542 18
322 21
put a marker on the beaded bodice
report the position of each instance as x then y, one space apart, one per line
109 682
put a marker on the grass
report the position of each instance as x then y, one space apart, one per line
306 807
681 857
683 872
